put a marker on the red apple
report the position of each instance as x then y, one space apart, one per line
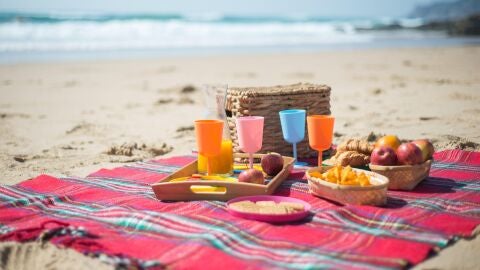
409 154
272 163
383 155
426 147
251 176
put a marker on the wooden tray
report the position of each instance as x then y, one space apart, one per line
182 191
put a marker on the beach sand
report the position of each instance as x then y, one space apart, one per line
73 118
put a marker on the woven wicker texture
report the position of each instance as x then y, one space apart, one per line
267 102
371 195
403 177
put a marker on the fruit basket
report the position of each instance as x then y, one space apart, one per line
376 194
216 190
405 177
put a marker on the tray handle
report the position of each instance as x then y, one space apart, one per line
214 188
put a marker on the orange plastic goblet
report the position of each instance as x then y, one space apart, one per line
209 138
320 133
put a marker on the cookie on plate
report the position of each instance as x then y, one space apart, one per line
265 203
273 210
245 206
292 205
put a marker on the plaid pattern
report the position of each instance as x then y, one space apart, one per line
114 214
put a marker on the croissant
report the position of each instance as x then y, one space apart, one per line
351 158
356 145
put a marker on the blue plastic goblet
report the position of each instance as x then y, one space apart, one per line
293 128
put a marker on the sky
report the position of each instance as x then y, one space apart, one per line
347 8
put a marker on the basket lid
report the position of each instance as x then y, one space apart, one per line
298 88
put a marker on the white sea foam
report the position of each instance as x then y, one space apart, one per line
24 36
153 34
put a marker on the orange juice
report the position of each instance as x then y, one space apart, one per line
221 164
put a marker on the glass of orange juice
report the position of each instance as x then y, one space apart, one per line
209 139
221 164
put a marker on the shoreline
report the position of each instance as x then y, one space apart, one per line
34 57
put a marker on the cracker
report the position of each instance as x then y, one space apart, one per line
273 210
245 206
242 203
265 203
293 205
267 207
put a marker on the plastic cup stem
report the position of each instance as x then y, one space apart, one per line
295 151
319 158
250 160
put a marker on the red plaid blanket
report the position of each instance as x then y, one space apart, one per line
113 214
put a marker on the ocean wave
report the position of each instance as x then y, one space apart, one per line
151 34
82 31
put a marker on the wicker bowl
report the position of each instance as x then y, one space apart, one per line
405 177
376 194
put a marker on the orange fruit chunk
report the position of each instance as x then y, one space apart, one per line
388 140
343 176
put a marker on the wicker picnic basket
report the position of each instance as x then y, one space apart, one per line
267 102
405 177
376 194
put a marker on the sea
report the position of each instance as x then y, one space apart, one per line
33 37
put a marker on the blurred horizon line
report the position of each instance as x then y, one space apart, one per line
12 15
